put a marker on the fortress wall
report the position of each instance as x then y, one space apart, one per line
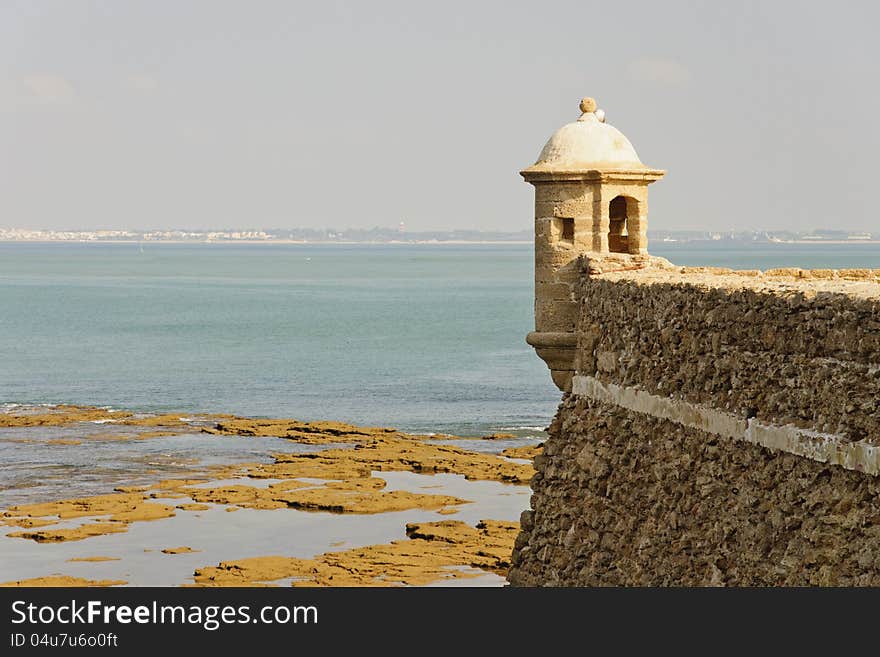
723 428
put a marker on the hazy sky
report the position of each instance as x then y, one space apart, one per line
271 114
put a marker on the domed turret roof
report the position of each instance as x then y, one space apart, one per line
586 144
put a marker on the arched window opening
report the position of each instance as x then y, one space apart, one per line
620 211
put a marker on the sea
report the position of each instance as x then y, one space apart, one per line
423 337
427 338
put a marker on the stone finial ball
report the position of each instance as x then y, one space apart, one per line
588 105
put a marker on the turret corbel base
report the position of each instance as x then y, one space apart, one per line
558 351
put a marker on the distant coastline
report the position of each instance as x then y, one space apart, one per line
833 242
427 242
400 235
267 242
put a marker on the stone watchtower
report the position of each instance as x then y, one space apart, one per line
591 199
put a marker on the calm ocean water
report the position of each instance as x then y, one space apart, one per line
422 337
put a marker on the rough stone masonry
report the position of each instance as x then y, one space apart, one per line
722 428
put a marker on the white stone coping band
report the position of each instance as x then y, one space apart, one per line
823 447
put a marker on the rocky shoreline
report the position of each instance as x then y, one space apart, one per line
342 476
